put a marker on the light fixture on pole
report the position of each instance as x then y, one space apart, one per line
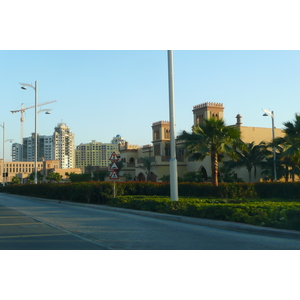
36 121
271 114
173 161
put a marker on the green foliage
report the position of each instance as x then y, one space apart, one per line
84 192
165 178
285 190
15 180
54 177
211 138
30 177
284 215
191 177
80 177
246 155
94 176
147 164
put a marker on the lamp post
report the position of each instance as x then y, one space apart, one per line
271 114
4 141
173 161
36 121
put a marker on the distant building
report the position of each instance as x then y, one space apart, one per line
118 140
24 169
16 153
96 153
64 146
44 149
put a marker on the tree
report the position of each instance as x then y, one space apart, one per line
211 138
147 165
15 180
40 176
54 177
246 155
291 144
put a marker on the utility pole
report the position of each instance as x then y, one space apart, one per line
173 160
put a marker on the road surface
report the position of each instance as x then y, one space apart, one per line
29 223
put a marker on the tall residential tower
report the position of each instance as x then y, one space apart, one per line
64 146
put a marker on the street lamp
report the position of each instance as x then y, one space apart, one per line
36 120
271 114
173 161
4 141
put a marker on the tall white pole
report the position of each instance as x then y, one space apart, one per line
35 136
173 161
274 148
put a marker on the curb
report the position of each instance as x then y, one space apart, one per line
223 225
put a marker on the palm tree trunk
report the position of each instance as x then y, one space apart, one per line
214 168
249 172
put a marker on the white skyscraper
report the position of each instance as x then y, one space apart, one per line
64 146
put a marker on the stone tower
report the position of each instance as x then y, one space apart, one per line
161 138
208 110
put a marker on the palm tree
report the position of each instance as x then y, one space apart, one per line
211 138
288 150
292 140
147 165
247 155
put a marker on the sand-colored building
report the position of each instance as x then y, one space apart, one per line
159 151
23 169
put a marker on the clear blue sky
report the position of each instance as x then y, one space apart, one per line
103 93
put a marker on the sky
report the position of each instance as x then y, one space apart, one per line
102 93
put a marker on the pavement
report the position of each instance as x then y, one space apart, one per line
225 225
20 232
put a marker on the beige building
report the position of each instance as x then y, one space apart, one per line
159 151
96 153
24 169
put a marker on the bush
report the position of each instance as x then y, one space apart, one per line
284 215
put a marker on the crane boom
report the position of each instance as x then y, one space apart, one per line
22 111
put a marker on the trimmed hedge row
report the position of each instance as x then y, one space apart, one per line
100 192
83 192
284 215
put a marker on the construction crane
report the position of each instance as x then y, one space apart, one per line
22 111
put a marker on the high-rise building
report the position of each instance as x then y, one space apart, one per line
44 149
64 146
96 153
16 153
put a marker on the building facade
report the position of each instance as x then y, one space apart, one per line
64 146
17 152
159 151
96 153
45 148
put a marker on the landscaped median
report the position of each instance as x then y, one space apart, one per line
277 214
244 203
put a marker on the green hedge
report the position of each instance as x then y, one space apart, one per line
284 215
84 192
285 190
99 192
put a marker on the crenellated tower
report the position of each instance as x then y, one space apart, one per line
208 110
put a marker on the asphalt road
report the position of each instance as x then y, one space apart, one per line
36 224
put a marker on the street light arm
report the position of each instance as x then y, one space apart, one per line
269 113
26 84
